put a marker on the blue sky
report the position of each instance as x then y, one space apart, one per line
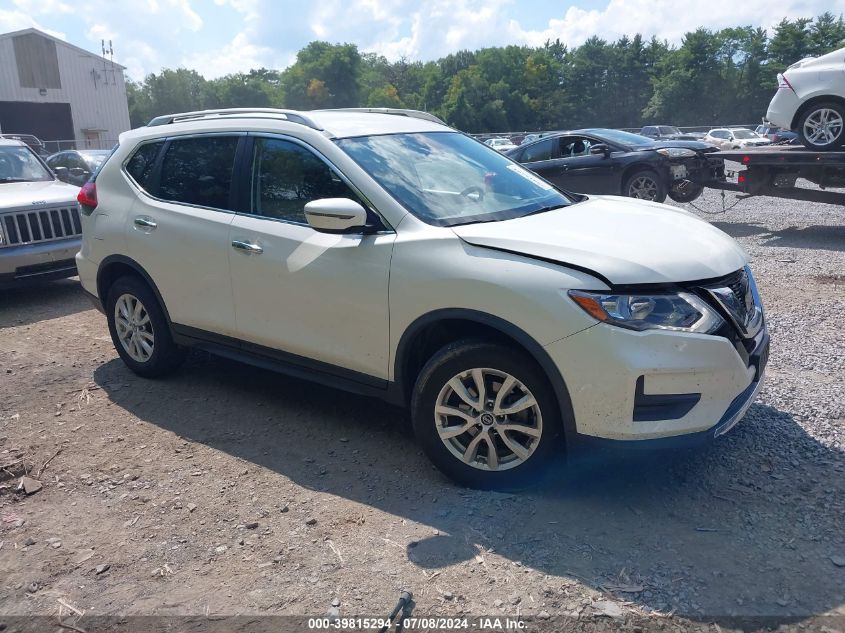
217 37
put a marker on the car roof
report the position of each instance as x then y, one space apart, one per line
9 142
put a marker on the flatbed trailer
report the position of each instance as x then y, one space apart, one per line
775 170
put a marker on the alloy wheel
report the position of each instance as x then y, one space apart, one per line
134 328
643 187
823 126
488 419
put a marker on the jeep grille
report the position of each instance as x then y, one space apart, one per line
43 225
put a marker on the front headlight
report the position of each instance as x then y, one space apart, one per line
681 311
676 152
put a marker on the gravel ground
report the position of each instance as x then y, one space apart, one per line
227 490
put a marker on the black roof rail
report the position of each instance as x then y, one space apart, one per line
286 115
415 114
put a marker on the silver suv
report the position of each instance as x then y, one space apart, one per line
40 227
388 254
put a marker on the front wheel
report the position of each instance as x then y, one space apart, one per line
486 415
822 126
687 193
645 184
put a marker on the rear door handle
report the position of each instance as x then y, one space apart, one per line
145 222
247 247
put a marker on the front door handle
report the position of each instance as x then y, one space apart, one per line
145 222
247 247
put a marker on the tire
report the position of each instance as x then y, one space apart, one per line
461 362
689 193
142 336
831 118
638 183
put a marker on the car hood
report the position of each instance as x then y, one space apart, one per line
694 145
626 241
14 195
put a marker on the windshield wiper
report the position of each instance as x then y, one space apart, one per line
14 180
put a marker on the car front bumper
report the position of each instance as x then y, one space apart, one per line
41 261
657 388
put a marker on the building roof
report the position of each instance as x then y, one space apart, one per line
29 31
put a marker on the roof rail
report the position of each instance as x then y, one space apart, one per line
287 115
415 114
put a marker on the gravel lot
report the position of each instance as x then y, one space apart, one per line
228 490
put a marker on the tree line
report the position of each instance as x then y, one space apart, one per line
712 77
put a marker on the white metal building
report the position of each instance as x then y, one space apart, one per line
60 92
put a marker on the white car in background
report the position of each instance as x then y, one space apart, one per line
500 144
811 101
735 138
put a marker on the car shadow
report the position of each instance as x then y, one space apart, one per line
41 301
820 237
742 529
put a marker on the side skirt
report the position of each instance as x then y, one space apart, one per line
288 364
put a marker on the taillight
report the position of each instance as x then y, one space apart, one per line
783 82
88 195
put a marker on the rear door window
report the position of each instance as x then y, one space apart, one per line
198 171
541 150
140 166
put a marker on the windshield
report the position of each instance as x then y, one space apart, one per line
19 164
744 134
446 178
668 130
624 138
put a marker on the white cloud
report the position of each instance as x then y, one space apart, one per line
43 7
255 33
663 18
18 20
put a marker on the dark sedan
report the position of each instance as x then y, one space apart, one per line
602 161
76 166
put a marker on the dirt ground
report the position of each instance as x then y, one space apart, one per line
228 490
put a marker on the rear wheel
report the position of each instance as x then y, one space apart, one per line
645 184
139 329
822 126
486 415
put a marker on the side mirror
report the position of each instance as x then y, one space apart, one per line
600 149
61 173
335 215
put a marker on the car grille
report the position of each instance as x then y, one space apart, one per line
41 225
738 297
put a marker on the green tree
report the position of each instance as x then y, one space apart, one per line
323 76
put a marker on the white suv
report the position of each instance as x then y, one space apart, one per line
386 253
811 101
